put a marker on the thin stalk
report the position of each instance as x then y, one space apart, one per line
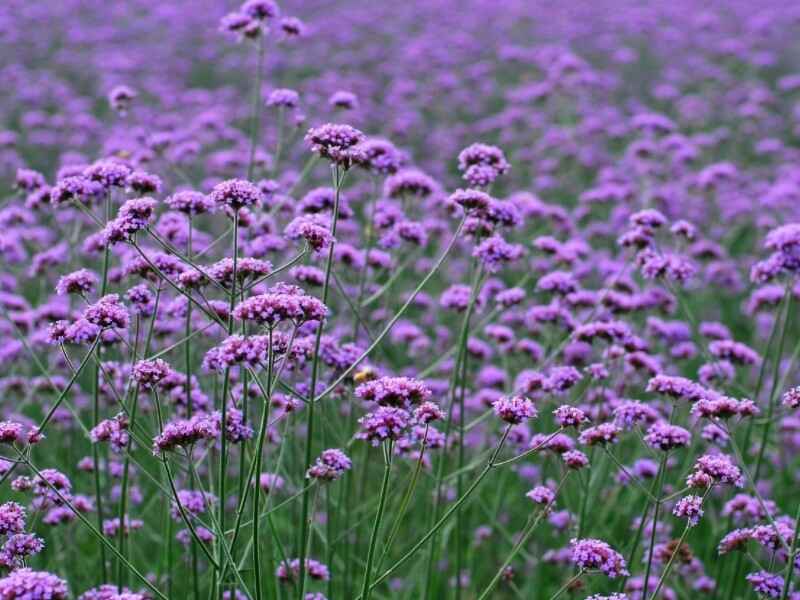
672 557
338 177
346 373
446 516
526 533
659 486
257 490
256 118
387 467
567 585
95 532
787 582
223 452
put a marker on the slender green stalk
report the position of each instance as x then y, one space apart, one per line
529 528
95 532
387 467
660 478
675 552
103 571
567 585
256 118
398 315
338 178
787 582
773 388
406 499
223 452
446 516
257 489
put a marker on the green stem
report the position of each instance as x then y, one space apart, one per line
257 489
338 178
387 466
256 119
659 485
446 516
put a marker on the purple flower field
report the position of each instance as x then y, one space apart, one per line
368 300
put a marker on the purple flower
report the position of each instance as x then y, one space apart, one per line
570 416
542 495
331 465
514 409
284 98
402 392
386 423
792 398
766 584
482 155
236 194
592 554
26 584
121 97
664 436
12 518
191 203
314 570
147 373
111 592
604 433
495 252
335 142
711 469
689 507
108 311
114 431
80 282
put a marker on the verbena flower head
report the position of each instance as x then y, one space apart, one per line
427 412
408 183
402 392
379 156
284 98
114 431
191 203
766 584
185 433
495 253
111 592
315 570
604 433
791 398
236 194
80 282
597 555
664 436
711 469
331 465
147 373
690 508
12 518
541 495
121 97
481 164
514 409
108 311
282 303
385 423
314 229
570 416
27 584
335 142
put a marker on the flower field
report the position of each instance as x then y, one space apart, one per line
366 300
